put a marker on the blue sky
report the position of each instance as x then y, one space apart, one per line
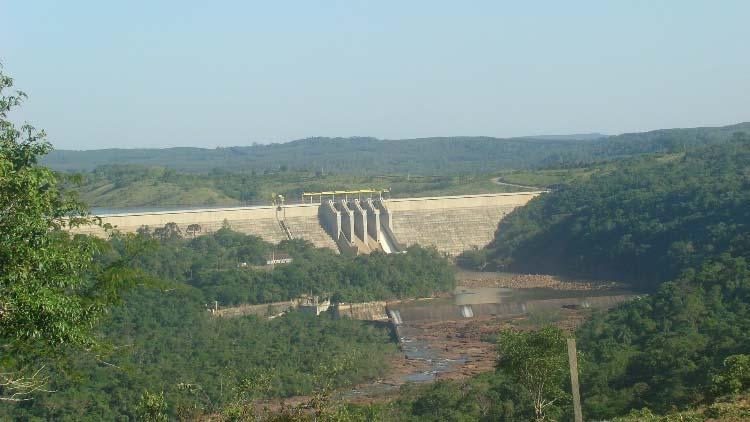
181 73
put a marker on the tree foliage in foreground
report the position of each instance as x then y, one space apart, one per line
51 289
536 363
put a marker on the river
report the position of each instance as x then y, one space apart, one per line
447 337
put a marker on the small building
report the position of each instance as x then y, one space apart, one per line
314 304
278 258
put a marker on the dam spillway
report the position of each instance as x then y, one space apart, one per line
451 224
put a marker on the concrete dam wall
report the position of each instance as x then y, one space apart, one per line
450 223
262 221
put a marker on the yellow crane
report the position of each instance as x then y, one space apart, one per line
344 193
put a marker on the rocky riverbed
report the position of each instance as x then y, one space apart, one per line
530 281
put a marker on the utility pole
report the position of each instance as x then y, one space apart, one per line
575 389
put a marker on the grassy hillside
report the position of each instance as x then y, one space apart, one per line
104 193
551 178
138 186
426 156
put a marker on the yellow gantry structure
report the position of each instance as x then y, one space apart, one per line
345 193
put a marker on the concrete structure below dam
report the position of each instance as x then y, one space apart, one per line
450 223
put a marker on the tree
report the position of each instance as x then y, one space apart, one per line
51 289
734 376
193 229
170 231
536 363
474 259
152 407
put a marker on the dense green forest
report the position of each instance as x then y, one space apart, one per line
210 263
165 341
683 345
163 338
677 226
123 186
644 221
426 156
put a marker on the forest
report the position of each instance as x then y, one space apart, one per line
211 263
676 227
166 341
644 221
425 156
163 338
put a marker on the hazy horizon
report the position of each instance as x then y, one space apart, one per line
549 136
182 74
570 136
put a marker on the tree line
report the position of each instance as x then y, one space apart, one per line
424 156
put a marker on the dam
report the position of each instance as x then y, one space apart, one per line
452 224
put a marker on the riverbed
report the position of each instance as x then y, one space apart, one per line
453 337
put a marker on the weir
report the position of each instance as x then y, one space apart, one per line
452 224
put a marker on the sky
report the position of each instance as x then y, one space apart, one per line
127 74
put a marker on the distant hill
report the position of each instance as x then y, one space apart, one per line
440 155
662 140
573 137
